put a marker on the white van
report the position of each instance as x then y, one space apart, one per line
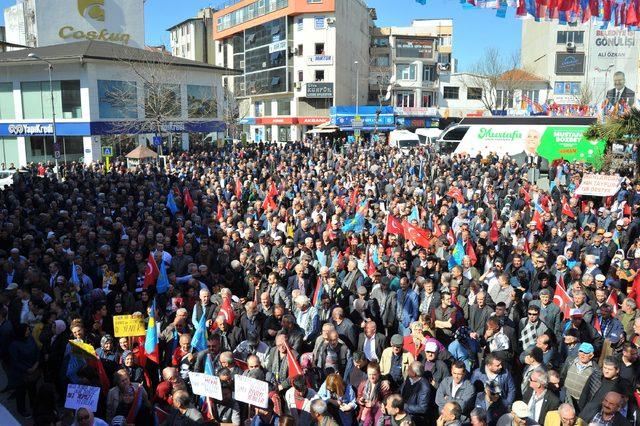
403 139
428 136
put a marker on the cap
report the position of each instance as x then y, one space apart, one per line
520 409
262 234
12 286
586 348
431 347
533 222
493 386
396 340
620 222
362 290
278 237
575 312
608 235
600 277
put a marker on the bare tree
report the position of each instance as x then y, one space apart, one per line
495 71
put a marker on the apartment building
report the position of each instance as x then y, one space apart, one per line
193 38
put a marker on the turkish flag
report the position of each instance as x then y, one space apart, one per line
562 299
471 253
456 193
494 235
227 310
394 226
415 234
451 237
268 204
613 301
294 366
238 189
188 201
566 208
525 195
371 267
180 237
353 198
635 289
151 272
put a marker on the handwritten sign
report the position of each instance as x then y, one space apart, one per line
206 385
82 396
252 391
128 325
599 185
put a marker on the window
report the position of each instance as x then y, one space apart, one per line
300 49
300 76
117 99
188 47
451 92
427 99
445 41
533 95
474 93
275 81
319 75
429 73
566 88
201 102
314 1
564 37
162 100
382 61
405 99
36 99
71 147
7 110
405 72
251 11
319 48
284 107
504 99
267 108
381 41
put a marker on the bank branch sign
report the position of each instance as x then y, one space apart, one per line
66 21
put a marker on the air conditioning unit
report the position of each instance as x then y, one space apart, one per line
264 65
293 50
297 85
444 67
331 21
571 47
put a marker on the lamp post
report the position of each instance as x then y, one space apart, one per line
357 85
56 148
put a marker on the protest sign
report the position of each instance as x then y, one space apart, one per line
82 396
599 185
205 385
128 325
252 391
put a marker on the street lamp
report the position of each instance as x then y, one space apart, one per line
56 148
357 85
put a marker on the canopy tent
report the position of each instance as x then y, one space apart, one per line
324 128
141 152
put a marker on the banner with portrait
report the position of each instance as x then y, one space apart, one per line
613 65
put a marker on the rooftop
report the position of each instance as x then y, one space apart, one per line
522 75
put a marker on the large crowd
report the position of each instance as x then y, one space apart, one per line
364 284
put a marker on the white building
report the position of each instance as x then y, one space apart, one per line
37 23
582 62
193 37
100 99
466 94
299 58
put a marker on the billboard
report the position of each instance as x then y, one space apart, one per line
613 60
66 21
570 63
518 141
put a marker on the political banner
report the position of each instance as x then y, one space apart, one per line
128 326
206 385
599 185
82 396
252 391
613 63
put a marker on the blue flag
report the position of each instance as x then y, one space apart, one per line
74 274
415 215
322 258
458 254
199 341
151 341
171 203
162 285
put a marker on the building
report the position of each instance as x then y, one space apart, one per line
516 92
299 58
37 23
104 95
193 38
584 63
3 47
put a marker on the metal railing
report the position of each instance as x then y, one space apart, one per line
226 4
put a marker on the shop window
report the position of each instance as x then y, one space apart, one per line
7 110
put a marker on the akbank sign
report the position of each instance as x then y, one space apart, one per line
65 21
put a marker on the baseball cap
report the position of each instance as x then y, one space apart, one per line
586 348
520 409
600 277
431 347
575 312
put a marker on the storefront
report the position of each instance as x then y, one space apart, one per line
280 129
370 118
416 118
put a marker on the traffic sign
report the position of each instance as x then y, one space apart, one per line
157 140
107 151
56 150
356 133
56 154
357 122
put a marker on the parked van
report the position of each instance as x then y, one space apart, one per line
403 139
428 136
549 137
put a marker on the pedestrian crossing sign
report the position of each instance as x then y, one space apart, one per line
107 151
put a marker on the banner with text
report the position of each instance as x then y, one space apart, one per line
82 396
252 391
613 63
599 185
128 326
206 385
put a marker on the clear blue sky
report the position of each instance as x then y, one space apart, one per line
473 30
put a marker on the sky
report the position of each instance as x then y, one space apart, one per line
473 29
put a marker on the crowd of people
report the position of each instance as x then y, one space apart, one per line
364 284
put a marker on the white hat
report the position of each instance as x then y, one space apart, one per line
431 347
12 286
520 409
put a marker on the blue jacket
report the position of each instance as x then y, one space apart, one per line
417 397
479 378
407 312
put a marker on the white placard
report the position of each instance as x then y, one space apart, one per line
82 396
251 391
206 385
599 185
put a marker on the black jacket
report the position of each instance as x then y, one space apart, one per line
550 402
